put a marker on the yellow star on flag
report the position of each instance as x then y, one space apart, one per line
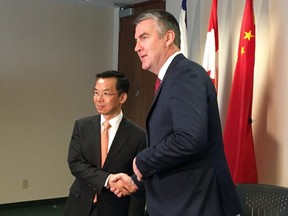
242 50
248 35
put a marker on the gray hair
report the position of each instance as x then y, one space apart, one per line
165 22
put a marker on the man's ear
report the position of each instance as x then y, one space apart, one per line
123 97
170 37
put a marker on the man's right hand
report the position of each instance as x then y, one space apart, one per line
121 184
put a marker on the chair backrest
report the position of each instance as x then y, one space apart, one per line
263 200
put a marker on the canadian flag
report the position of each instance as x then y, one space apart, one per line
210 59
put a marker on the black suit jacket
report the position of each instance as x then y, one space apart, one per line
84 162
184 166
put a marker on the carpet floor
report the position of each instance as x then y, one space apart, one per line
53 207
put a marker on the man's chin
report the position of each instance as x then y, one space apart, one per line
145 67
99 111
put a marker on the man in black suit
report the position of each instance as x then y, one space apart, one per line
90 194
184 167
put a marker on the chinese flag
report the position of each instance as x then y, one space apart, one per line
210 60
238 139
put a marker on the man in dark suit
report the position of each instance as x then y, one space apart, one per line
184 167
89 194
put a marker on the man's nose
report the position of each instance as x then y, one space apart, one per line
137 47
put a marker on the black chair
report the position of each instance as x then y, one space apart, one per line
263 200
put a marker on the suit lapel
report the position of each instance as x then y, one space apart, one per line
96 140
176 59
119 140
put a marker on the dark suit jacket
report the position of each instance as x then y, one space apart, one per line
84 162
184 166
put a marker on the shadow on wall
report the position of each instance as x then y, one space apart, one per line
226 70
266 146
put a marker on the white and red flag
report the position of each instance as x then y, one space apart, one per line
210 59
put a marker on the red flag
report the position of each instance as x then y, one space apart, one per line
210 60
238 139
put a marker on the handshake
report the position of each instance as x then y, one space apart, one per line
122 185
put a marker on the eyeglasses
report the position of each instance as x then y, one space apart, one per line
103 94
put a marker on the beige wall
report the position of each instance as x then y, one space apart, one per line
49 54
270 102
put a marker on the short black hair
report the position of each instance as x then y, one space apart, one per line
122 84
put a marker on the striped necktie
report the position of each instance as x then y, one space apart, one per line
157 84
104 146
104 141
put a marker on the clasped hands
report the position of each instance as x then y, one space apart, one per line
122 185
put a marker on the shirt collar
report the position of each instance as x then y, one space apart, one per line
165 66
114 122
